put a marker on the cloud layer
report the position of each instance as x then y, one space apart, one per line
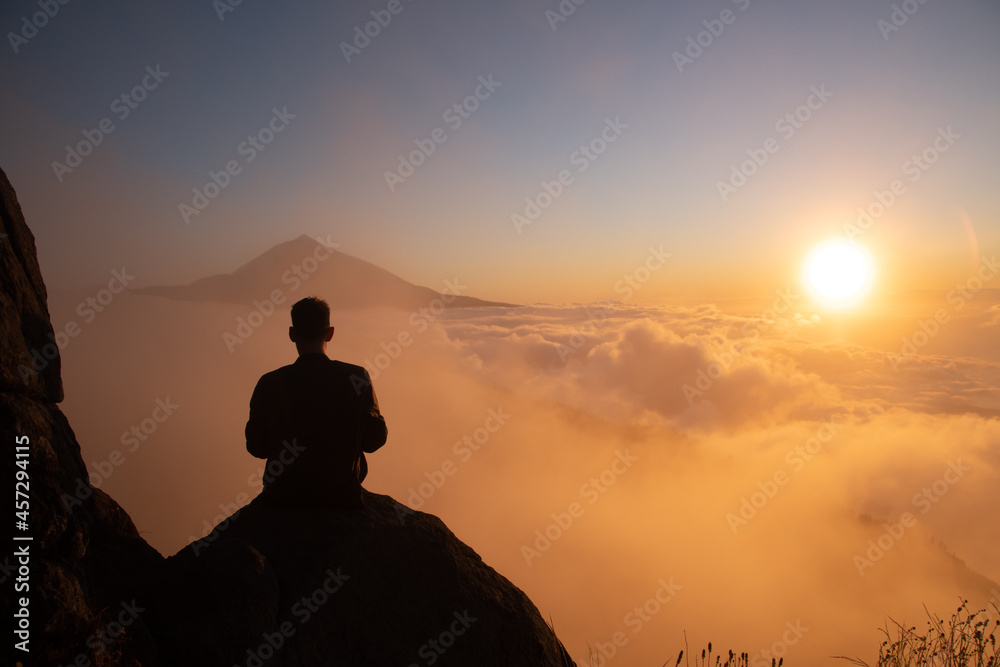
773 470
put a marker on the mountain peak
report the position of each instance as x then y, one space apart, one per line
344 281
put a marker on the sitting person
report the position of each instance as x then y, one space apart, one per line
313 420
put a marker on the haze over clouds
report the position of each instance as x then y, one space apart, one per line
740 458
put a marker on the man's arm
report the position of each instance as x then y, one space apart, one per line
259 430
374 431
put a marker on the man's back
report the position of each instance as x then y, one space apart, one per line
313 420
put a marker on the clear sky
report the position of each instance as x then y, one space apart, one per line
673 129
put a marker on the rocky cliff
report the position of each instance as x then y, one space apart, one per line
381 586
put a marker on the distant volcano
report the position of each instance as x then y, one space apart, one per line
305 263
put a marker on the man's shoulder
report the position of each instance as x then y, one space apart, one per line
350 370
332 366
275 376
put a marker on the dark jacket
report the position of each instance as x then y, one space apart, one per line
313 420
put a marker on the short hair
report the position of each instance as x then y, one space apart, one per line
311 317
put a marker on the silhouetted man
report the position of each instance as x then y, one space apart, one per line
313 420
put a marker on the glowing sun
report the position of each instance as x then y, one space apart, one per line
838 273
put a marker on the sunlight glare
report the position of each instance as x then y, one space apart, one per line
838 273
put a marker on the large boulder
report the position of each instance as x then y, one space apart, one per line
380 586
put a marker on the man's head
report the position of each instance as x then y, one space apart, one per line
310 330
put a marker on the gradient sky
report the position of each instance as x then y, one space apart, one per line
323 175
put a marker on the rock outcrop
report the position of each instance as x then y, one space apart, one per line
270 586
380 586
85 556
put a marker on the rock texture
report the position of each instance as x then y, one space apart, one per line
86 555
380 586
24 312
270 586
